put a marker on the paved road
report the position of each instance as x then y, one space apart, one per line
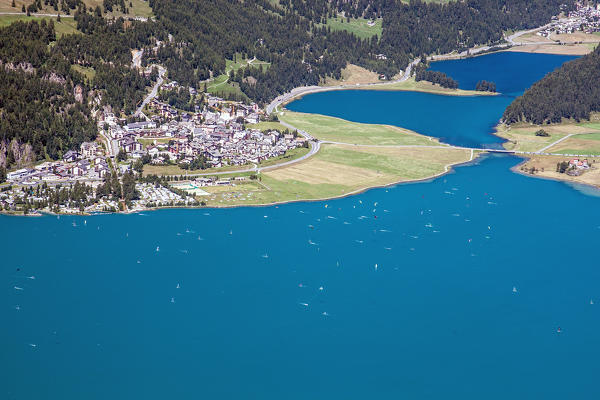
153 93
37 14
109 146
314 148
552 144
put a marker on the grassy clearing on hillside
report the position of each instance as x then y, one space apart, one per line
359 26
339 130
220 85
64 27
139 8
352 75
88 72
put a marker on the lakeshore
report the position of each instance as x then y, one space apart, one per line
394 263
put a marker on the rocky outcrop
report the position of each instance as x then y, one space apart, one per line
16 154
78 93
24 66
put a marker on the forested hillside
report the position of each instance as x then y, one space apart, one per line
45 103
291 35
50 86
572 91
42 107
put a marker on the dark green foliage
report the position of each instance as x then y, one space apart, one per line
121 155
542 133
562 167
26 42
178 98
440 78
129 191
42 113
572 92
199 162
485 86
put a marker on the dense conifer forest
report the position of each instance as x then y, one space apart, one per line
572 92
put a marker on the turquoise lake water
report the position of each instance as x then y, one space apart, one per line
453 288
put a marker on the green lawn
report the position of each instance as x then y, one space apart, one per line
428 87
592 125
267 125
358 26
140 8
88 72
220 85
288 156
339 130
64 27
150 142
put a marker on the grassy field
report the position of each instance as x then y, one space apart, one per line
339 130
359 26
88 72
288 156
338 170
64 27
220 85
579 144
352 75
140 8
267 125
570 49
522 136
150 142
424 86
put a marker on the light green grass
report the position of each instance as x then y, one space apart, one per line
359 26
428 87
221 85
64 27
339 130
88 72
407 167
340 170
587 151
267 125
150 142
140 8
592 125
288 156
